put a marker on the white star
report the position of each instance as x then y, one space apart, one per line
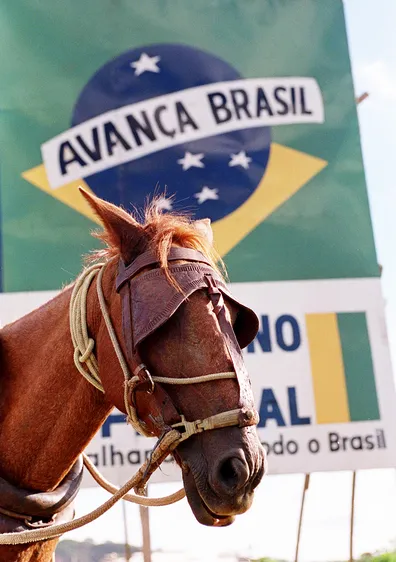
240 159
191 161
163 204
145 64
205 194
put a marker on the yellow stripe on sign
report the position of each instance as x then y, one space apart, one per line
288 171
67 194
327 366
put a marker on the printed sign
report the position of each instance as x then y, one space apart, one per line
321 377
243 113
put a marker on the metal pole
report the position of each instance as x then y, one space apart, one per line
306 486
352 517
145 521
127 546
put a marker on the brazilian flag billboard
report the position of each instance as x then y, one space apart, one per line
242 112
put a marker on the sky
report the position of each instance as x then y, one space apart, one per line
270 527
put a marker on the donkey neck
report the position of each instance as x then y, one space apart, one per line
48 411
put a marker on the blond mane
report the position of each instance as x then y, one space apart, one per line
162 231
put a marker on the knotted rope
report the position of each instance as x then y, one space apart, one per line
82 343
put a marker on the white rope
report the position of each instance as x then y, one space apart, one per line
224 419
133 418
133 498
160 452
83 344
192 380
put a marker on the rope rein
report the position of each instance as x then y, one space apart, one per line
160 452
133 498
87 364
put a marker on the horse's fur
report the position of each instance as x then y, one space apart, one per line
49 412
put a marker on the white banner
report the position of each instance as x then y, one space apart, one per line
136 130
321 376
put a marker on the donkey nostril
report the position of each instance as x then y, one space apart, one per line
233 473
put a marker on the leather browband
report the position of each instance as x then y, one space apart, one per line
125 273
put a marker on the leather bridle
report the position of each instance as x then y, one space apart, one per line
196 273
140 319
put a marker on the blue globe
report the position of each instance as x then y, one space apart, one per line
117 84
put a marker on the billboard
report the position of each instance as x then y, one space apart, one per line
240 112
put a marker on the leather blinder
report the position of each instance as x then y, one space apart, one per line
149 300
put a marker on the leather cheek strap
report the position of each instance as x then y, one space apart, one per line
126 307
161 413
157 412
245 392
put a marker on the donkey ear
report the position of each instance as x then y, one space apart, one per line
205 228
122 231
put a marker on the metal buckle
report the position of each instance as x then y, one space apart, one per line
144 376
190 428
143 373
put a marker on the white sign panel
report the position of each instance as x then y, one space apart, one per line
321 376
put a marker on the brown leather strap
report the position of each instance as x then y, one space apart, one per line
126 307
162 412
42 504
12 524
245 393
148 258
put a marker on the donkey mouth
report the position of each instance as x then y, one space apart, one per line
200 509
